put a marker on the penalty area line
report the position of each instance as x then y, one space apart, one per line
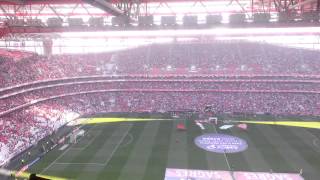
65 163
55 161
117 146
107 161
97 164
129 142
316 143
90 142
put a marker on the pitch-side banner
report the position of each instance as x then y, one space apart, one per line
179 174
240 175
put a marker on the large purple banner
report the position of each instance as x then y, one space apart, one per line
221 143
179 174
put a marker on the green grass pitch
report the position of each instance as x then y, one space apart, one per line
143 150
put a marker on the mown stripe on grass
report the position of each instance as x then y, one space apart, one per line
45 161
292 158
196 156
56 169
310 137
215 161
50 157
314 132
268 145
135 167
105 153
74 151
86 155
120 158
253 158
158 159
237 161
177 154
306 157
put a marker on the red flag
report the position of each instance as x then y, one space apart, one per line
243 126
181 126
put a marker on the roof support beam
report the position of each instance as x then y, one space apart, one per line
302 3
15 1
106 6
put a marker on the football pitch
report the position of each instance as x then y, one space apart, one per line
144 150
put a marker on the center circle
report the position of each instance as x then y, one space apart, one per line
221 143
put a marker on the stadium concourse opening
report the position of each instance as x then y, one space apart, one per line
160 90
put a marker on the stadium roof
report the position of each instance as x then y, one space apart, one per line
85 9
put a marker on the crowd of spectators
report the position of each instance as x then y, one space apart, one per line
215 58
225 57
273 103
239 86
24 128
275 85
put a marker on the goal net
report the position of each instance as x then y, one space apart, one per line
76 135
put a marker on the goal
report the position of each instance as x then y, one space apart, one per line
74 136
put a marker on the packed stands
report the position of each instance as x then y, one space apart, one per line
215 58
39 93
15 54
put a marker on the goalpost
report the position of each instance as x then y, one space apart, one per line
74 136
213 119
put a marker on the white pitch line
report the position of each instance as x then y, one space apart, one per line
65 163
98 164
45 169
225 156
315 140
116 147
129 142
224 153
90 142
316 143
107 161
